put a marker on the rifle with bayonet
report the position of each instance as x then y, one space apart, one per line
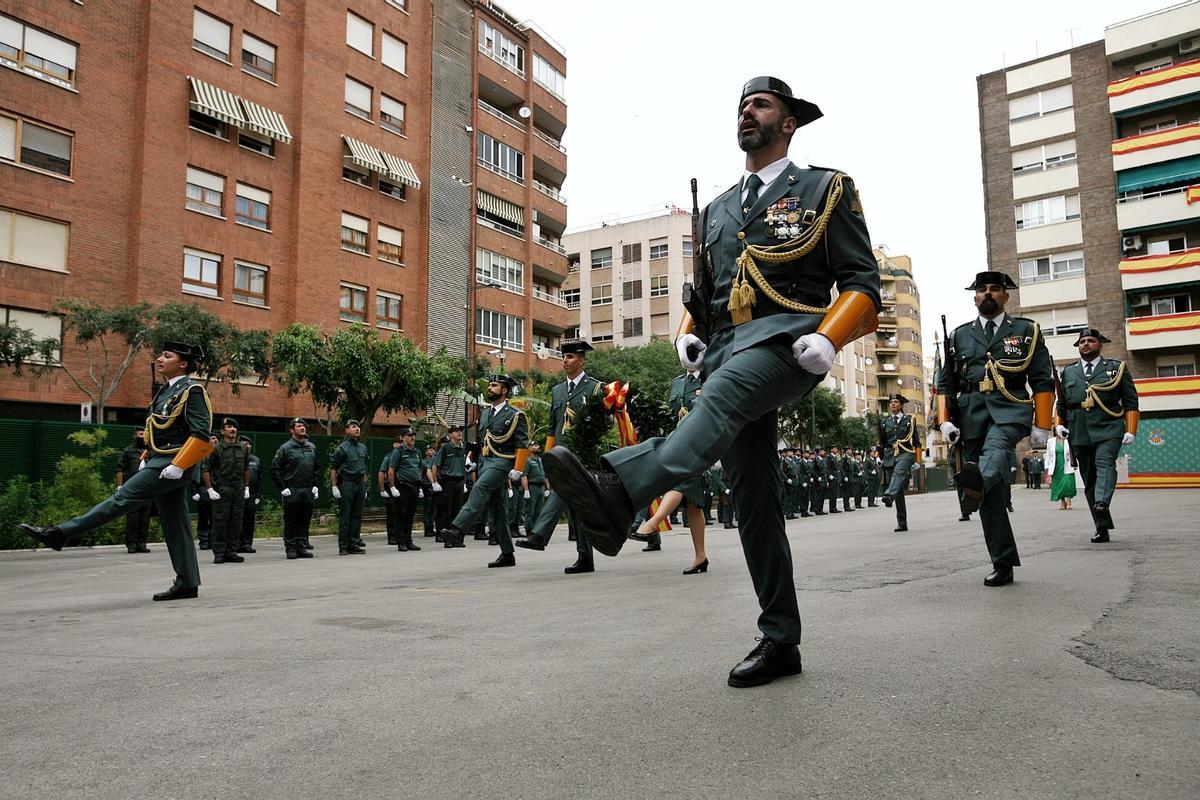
696 295
1061 393
950 378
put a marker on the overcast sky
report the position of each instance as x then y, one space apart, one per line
652 91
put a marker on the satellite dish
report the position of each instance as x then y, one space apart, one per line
524 112
542 354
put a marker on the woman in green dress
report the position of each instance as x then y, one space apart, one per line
1058 464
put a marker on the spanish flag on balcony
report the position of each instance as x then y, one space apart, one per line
1185 258
1188 69
1179 384
1163 323
1144 141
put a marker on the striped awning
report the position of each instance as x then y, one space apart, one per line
265 121
401 170
365 156
500 207
208 99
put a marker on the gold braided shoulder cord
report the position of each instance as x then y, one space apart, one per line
742 294
905 444
490 439
994 367
1093 391
152 423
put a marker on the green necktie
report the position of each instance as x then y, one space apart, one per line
990 329
753 184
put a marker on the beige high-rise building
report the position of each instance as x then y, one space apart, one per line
899 366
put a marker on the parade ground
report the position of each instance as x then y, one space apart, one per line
426 675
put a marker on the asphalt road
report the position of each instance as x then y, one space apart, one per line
425 675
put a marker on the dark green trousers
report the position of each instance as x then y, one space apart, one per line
227 520
547 521
350 510
488 498
990 451
1098 466
143 487
897 478
872 486
735 423
534 505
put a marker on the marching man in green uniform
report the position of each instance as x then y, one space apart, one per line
227 482
404 475
535 486
565 399
177 429
902 448
762 328
348 479
137 521
1004 382
294 470
1101 416
504 435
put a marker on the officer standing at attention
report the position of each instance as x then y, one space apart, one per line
1037 467
447 475
901 448
254 467
294 470
854 471
833 472
177 429
871 476
227 483
820 482
404 474
535 479
1005 382
791 478
804 484
203 506
1101 417
348 479
765 333
565 399
426 493
137 521
504 435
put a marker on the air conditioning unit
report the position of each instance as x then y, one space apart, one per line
1139 300
1131 243
1189 46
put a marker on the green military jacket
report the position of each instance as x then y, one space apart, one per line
254 467
788 470
534 471
870 467
130 460
840 257
502 432
1024 370
406 461
820 472
426 463
899 436
451 460
808 473
1036 465
226 466
683 394
854 470
179 411
564 404
295 465
1108 394
350 460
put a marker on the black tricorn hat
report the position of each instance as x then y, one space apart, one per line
1100 337
189 351
577 346
897 396
992 276
804 111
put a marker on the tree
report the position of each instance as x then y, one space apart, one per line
796 418
857 432
109 338
357 373
19 347
230 354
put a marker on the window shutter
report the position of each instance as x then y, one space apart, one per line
395 53
210 31
258 47
390 235
251 193
359 33
12 33
355 223
8 138
40 242
44 140
206 179
54 49
358 94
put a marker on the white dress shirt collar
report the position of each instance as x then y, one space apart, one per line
175 380
999 320
1095 362
768 174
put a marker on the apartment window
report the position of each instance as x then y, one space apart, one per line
1175 366
1171 304
34 145
631 253
394 53
687 247
210 35
32 50
1157 124
598 338
42 326
400 4
352 303
258 57
387 310
1040 103
33 241
631 327
550 78
249 283
1044 157
602 258
570 297
1149 66
263 145
602 294
660 286
360 34
354 233
495 328
198 120
1047 212
352 173
253 207
390 243
395 190
1167 244
501 48
204 191
507 272
358 98
499 157
201 273
391 114
268 4
658 248
631 290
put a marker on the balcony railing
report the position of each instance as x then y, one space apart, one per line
555 246
500 115
511 230
549 191
550 140
494 57
549 298
512 176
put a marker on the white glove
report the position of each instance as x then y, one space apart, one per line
804 485
845 479
286 493
171 473
393 491
514 474
1061 431
510 492
546 493
257 500
726 491
337 493
1128 438
435 487
316 493
789 481
213 494
949 432
383 494
681 349
469 465
141 465
1038 437
196 497
420 494
814 353
526 494
245 492
465 489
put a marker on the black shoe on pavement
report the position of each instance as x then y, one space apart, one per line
480 537
965 518
604 509
401 547
530 543
730 525
652 547
304 554
247 550
292 554
143 549
233 558
452 537
504 560
887 500
900 529
579 566
218 559
355 550
1000 575
342 551
49 535
308 546
1100 537
767 661
409 544
132 549
819 513
177 592
805 514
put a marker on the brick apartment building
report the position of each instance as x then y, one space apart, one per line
271 160
1091 165
896 346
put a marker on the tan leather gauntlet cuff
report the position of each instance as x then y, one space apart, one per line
686 324
194 451
943 409
549 443
1043 410
522 457
852 315
1131 421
